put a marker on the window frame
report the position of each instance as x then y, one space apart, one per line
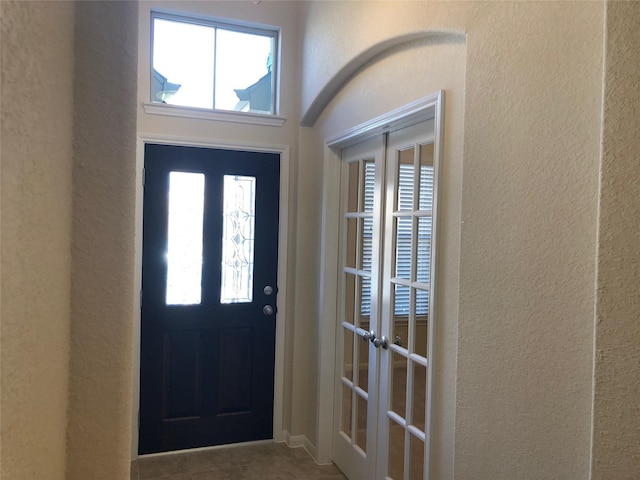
272 118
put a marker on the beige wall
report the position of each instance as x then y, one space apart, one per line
616 437
36 159
519 240
520 209
100 396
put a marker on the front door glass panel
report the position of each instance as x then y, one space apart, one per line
238 239
184 238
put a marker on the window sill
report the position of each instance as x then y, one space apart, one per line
217 115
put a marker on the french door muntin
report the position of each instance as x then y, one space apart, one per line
387 258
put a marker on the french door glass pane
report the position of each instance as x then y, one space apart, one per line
405 183
349 298
352 242
417 458
425 201
403 247
419 395
367 244
363 365
398 383
352 193
369 177
365 301
345 424
361 424
238 239
184 242
422 323
423 263
396 451
347 370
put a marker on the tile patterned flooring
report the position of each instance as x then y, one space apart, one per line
263 461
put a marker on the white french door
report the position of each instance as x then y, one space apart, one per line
386 315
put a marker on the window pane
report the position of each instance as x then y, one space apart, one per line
184 249
183 56
238 239
243 71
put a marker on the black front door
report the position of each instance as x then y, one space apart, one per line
209 264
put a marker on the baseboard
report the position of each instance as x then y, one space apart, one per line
300 441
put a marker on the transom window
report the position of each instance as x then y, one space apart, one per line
213 65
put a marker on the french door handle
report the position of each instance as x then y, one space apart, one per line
369 336
381 342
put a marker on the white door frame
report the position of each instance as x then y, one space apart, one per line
279 434
430 107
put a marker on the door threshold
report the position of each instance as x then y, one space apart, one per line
206 449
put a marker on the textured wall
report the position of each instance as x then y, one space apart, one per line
36 158
393 79
616 437
532 98
99 431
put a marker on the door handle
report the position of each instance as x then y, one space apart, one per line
267 310
369 336
381 342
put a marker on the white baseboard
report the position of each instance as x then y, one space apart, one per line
297 441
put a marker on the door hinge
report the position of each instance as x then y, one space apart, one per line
144 175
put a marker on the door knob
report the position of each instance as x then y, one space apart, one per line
267 310
381 342
369 336
268 290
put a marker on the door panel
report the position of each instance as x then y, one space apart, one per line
407 309
389 202
356 403
210 236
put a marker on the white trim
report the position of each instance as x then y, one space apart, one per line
218 115
410 114
301 441
427 108
283 235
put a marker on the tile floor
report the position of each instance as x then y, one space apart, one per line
264 461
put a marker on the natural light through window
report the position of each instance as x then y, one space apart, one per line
197 63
